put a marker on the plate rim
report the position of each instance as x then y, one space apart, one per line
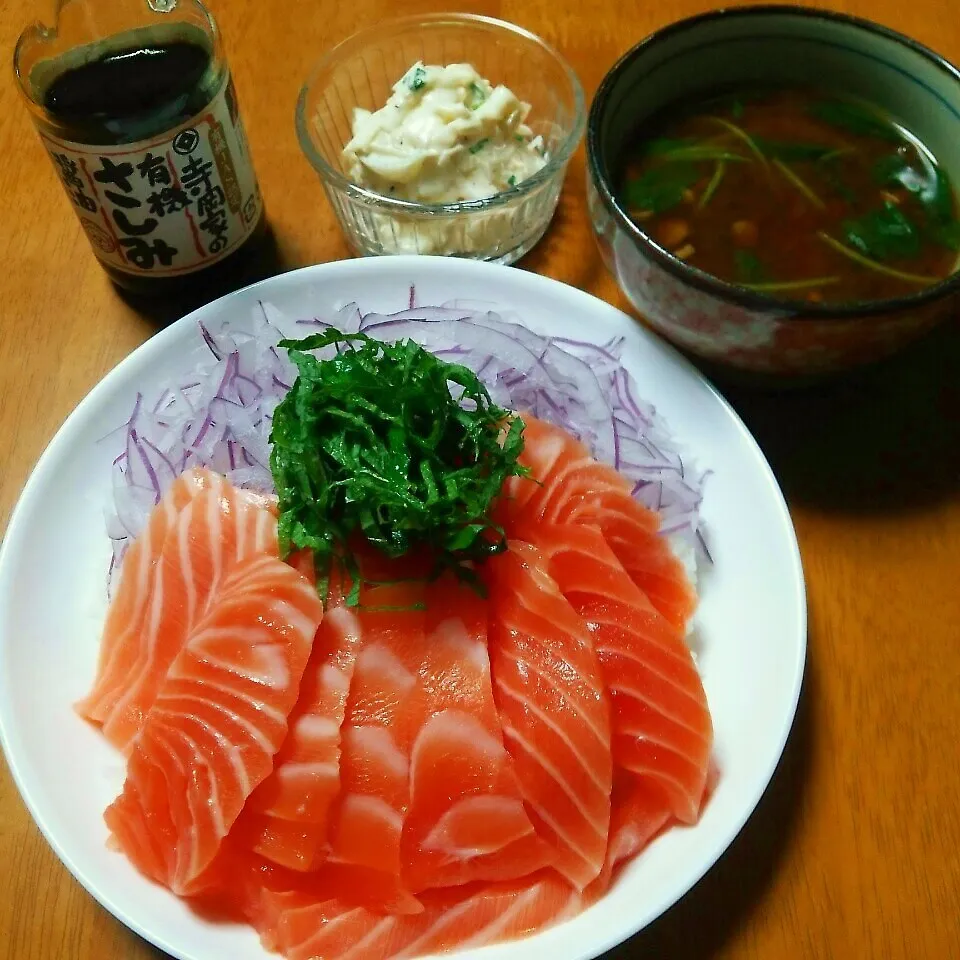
305 276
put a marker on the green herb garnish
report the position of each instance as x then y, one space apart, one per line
511 180
827 167
857 257
479 145
895 169
836 154
689 150
799 184
791 152
933 192
948 235
884 234
741 134
712 185
661 188
937 197
477 96
392 443
661 145
749 268
787 286
931 189
855 118
418 80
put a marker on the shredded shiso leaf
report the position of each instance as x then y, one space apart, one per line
391 443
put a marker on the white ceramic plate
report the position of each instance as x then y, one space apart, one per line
751 621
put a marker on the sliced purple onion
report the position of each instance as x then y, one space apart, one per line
221 416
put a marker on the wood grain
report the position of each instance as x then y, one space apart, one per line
854 851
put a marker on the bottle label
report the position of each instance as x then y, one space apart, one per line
170 205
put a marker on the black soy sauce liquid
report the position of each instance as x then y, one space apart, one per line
131 94
135 93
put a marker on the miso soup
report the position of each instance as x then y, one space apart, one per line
795 193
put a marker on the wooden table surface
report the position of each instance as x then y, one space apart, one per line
854 852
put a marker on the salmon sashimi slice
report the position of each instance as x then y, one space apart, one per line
383 714
553 708
575 488
661 724
467 819
219 528
131 602
304 926
218 719
639 811
238 883
287 817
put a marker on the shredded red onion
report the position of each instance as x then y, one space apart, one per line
220 416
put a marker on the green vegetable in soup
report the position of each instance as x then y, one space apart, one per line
799 183
703 152
855 118
661 188
689 150
837 154
792 286
931 187
742 135
856 257
658 146
895 169
830 172
749 268
948 235
713 185
938 198
792 151
884 234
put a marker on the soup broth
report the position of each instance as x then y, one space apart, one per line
797 194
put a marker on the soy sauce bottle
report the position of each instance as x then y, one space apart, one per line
135 106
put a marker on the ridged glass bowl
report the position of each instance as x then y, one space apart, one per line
361 71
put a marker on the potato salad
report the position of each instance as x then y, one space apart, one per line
445 135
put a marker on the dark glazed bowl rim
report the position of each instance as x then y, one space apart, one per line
753 300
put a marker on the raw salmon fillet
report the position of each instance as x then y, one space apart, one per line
287 817
217 528
304 925
553 708
660 720
466 819
128 611
218 719
639 810
575 488
383 715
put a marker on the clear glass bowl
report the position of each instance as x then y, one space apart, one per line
361 71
